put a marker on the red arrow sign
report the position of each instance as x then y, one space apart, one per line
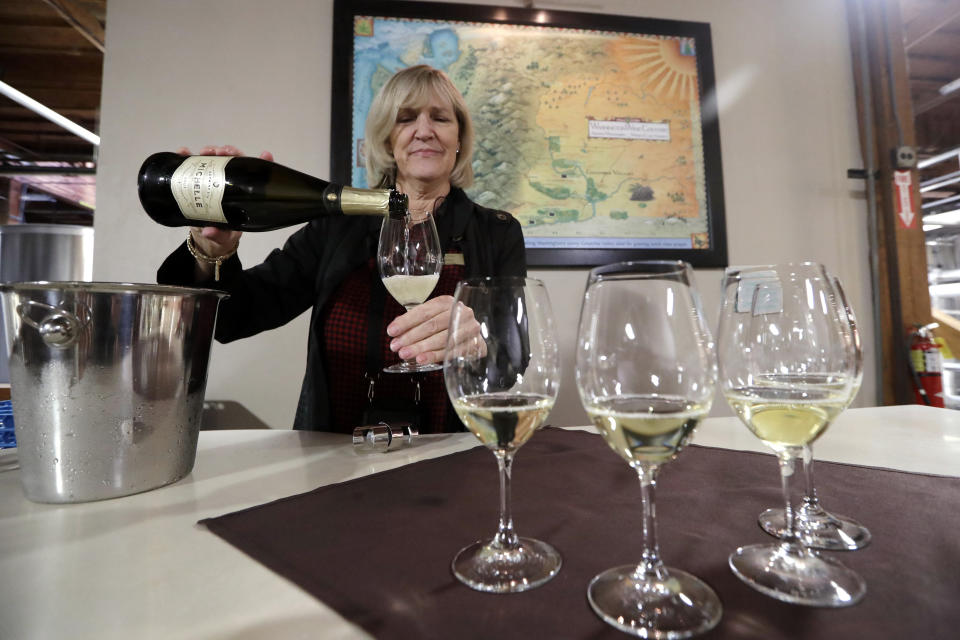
902 182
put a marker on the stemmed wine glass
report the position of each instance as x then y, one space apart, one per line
646 373
410 260
502 372
821 529
788 367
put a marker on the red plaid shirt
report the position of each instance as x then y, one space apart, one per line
345 330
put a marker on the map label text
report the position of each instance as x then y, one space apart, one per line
629 130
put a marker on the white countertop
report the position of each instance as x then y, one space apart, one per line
911 438
140 566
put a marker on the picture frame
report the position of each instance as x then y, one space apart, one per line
599 133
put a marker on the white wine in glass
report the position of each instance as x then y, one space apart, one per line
822 529
787 368
646 428
410 291
503 420
410 259
788 411
646 373
502 372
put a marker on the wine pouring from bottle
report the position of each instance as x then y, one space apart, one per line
249 194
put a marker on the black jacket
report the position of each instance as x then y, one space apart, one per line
315 260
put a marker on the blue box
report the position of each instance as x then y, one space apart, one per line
8 438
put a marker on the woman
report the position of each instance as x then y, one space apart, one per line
419 139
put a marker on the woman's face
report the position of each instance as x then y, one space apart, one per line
424 142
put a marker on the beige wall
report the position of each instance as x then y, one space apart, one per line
255 74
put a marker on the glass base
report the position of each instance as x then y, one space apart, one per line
673 605
486 567
412 367
819 529
790 573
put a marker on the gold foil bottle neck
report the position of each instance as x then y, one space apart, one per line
364 201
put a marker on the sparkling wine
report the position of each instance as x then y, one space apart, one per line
503 420
787 416
249 194
410 290
642 428
831 383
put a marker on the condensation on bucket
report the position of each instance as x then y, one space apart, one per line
112 416
93 444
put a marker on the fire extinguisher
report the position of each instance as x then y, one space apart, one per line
926 365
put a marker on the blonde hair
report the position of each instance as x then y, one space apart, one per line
413 87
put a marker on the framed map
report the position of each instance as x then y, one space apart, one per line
599 133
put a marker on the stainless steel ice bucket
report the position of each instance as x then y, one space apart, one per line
107 382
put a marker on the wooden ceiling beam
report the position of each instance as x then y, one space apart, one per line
69 83
53 38
930 22
935 67
81 20
932 83
28 116
53 69
81 49
52 50
13 147
8 111
19 126
58 99
935 102
926 57
39 137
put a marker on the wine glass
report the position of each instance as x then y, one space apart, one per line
646 373
788 367
819 528
410 260
502 371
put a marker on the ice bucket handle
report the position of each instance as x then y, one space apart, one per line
59 328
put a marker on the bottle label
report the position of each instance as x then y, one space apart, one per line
197 186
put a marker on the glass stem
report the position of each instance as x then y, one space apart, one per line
506 537
412 362
650 567
789 480
810 500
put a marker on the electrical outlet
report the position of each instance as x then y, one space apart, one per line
904 158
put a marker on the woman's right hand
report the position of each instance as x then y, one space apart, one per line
213 241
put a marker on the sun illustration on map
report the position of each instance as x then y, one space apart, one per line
667 65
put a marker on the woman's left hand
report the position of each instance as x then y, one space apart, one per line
421 333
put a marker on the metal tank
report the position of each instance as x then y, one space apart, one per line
30 252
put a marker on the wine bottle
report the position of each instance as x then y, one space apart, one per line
249 194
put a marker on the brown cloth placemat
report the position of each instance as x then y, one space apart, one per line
378 549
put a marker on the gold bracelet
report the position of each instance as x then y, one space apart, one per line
202 257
